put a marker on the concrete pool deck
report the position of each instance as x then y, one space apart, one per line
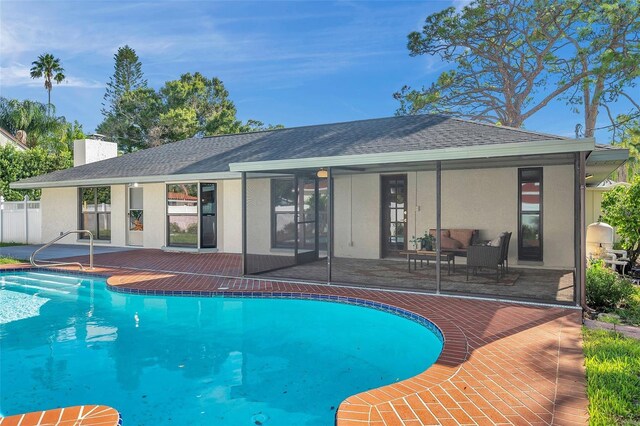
502 362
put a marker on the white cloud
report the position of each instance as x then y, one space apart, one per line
17 75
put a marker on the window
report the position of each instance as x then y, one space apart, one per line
283 202
530 214
182 214
95 212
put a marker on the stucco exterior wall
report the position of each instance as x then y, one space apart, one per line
357 216
119 223
59 209
155 220
483 199
259 217
230 216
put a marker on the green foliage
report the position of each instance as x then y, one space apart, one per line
16 165
9 260
192 106
43 129
613 377
127 77
606 290
134 121
50 68
629 312
628 131
621 209
511 59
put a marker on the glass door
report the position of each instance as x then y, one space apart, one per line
208 216
136 217
306 220
530 214
394 215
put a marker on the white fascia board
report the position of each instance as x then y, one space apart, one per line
127 180
553 146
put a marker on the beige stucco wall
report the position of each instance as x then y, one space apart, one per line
154 205
59 209
230 216
483 199
118 215
357 216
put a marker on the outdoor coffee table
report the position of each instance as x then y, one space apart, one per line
429 255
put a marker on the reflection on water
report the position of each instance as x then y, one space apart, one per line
174 360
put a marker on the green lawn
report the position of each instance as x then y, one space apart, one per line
9 260
10 244
613 378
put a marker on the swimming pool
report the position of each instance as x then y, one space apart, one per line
67 340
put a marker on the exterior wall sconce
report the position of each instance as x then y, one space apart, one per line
322 173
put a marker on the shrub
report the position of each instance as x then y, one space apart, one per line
605 288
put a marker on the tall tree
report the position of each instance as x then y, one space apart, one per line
43 129
134 119
48 67
606 46
127 77
629 138
511 58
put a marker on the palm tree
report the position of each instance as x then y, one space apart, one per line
48 67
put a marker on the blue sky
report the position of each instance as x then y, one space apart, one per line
293 63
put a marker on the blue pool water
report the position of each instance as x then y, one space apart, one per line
67 340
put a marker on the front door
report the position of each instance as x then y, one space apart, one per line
136 216
208 216
394 214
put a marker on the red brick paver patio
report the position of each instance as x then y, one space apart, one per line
502 363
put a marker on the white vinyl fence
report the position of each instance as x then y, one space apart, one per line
20 221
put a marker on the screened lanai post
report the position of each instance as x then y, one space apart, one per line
244 223
329 221
581 244
438 221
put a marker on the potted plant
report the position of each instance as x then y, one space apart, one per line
424 242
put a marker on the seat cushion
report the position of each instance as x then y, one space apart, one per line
447 243
462 235
443 232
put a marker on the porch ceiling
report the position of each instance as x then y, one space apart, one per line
604 161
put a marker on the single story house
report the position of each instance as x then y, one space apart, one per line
342 202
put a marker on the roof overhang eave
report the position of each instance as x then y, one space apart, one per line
126 180
552 146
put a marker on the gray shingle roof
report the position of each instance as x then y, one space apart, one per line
382 135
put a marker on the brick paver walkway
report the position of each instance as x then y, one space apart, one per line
502 363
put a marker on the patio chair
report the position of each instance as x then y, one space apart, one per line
505 253
487 256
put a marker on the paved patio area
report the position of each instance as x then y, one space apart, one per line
532 284
502 363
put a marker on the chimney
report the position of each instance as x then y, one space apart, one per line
93 149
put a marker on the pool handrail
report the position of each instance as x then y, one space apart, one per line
32 258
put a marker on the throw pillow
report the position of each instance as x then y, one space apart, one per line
447 243
462 235
443 232
495 242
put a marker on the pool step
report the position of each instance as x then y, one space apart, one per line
53 277
4 282
24 278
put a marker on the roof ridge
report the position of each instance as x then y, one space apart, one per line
531 132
